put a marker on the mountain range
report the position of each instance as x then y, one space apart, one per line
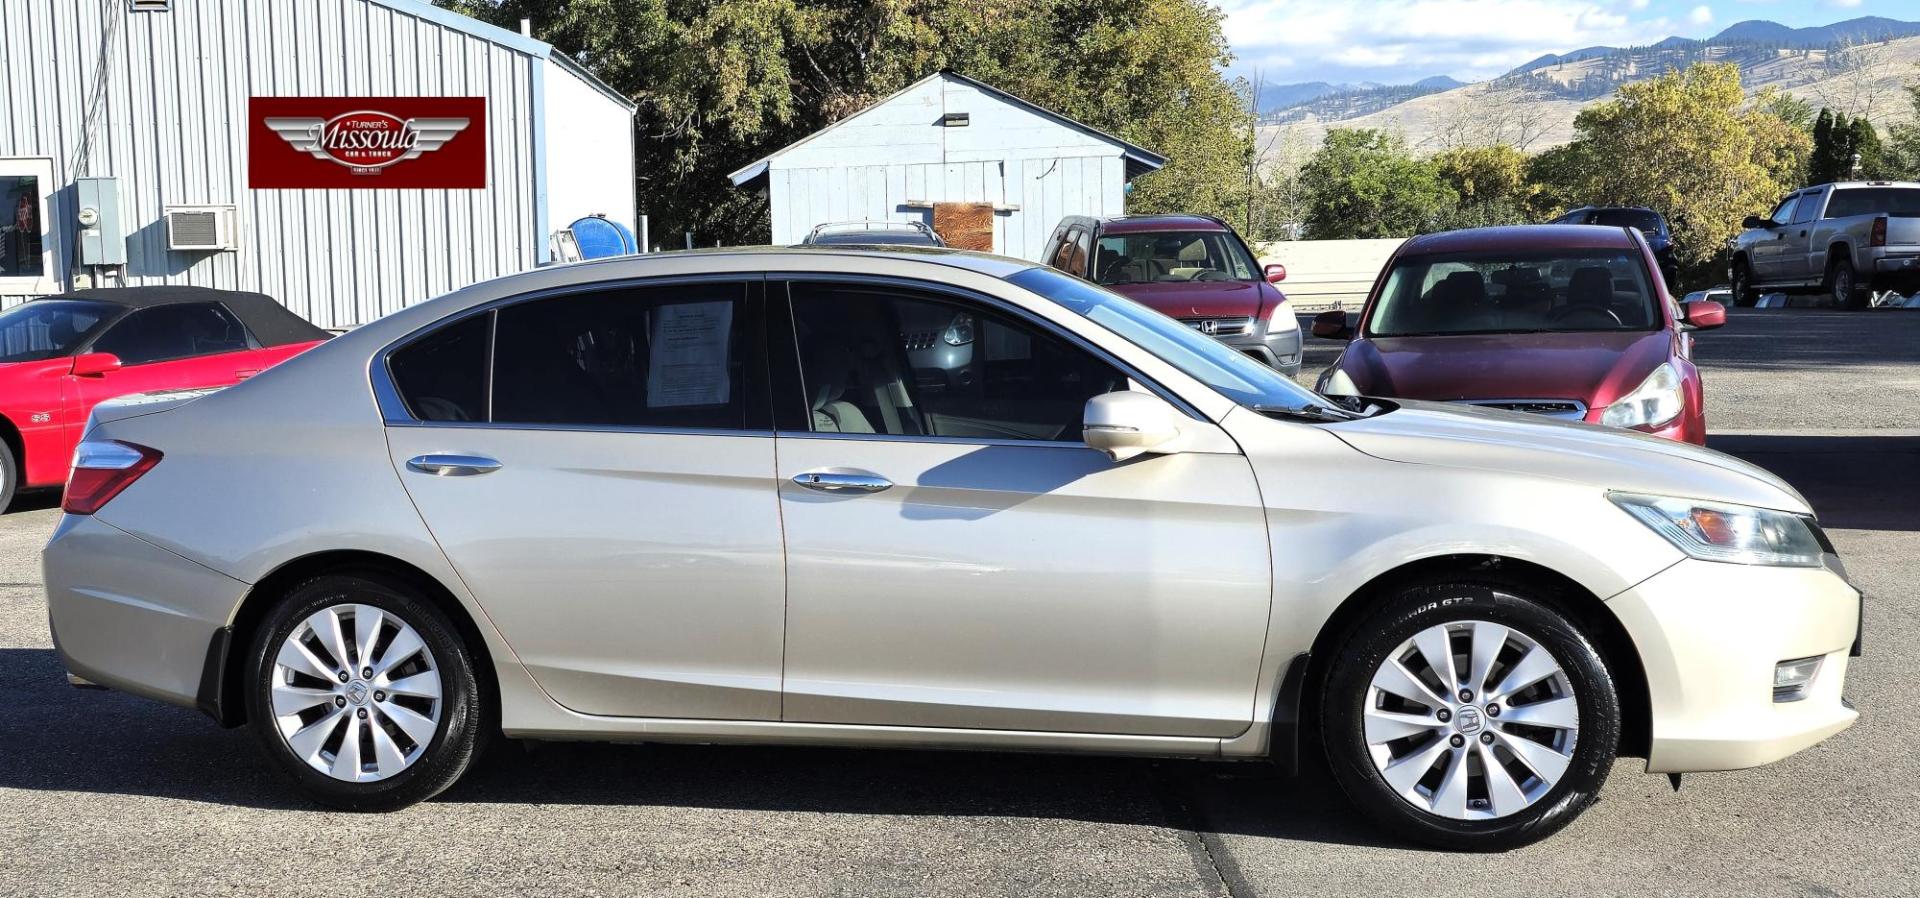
1751 44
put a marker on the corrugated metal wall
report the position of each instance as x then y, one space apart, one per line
159 100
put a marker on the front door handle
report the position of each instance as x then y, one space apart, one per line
833 482
453 465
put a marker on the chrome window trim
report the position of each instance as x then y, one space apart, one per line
929 438
393 409
581 428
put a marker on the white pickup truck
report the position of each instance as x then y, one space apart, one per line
1846 240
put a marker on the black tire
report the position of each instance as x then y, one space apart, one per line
456 740
9 476
1843 284
1743 292
1418 608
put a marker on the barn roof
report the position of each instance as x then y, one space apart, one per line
1139 160
511 40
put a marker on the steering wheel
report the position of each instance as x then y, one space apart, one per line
1584 316
1211 274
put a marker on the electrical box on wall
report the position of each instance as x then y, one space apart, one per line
103 239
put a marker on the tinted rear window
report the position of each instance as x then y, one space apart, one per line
1646 222
1900 201
443 376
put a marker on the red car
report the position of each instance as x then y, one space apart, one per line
1190 267
61 356
1570 321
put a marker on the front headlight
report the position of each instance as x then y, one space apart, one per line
1281 319
1736 534
1655 402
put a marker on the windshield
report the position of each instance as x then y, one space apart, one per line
1497 293
1902 202
1646 222
1164 257
48 329
1203 358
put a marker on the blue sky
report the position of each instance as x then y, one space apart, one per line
1398 41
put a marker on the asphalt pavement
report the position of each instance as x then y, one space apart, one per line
102 793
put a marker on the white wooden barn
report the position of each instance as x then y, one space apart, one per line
948 139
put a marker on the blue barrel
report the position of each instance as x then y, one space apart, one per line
600 238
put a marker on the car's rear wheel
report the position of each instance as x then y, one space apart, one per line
364 692
1470 715
1743 292
9 476
1844 284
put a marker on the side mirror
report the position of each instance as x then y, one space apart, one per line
1704 314
1756 223
1125 424
1276 273
95 364
1332 325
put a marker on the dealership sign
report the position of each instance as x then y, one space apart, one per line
368 142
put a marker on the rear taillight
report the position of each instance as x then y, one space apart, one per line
1879 232
101 469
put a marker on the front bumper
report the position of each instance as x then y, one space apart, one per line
1279 351
1709 636
130 615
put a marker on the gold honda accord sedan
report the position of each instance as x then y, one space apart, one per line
923 498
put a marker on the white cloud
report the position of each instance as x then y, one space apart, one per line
1401 40
1701 15
1844 4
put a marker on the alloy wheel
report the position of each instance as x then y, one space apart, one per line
356 693
1471 720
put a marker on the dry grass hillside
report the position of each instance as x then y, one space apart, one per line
1536 111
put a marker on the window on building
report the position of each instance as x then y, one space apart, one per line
25 254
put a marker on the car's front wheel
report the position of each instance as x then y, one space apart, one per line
1470 716
364 692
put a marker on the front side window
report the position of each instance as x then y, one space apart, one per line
168 333
1204 359
1516 292
1807 209
1172 257
49 329
880 360
1783 213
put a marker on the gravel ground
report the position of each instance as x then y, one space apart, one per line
104 793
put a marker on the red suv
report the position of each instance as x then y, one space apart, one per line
1570 321
1190 267
61 356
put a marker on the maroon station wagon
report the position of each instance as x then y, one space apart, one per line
1190 267
1570 321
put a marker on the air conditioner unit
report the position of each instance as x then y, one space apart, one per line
203 229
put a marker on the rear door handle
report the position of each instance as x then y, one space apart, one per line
453 465
833 482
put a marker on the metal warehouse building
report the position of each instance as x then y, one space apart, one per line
983 167
346 156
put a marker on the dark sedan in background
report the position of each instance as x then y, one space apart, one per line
1651 225
1570 321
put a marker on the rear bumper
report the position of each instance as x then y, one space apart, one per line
1908 264
132 616
1709 636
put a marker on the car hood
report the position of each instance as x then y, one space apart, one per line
1203 299
1592 367
1461 436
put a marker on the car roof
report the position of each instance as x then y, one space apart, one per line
617 267
1144 224
271 323
1520 237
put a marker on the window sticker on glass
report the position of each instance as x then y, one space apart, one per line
689 360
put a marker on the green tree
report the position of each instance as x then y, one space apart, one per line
723 82
1365 183
1822 163
1902 158
1492 185
1863 144
1687 145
